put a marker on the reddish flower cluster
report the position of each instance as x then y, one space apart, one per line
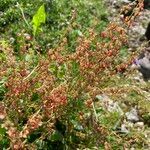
16 143
135 9
33 123
44 91
2 111
52 101
16 85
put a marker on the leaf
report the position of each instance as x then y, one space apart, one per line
56 136
2 131
38 19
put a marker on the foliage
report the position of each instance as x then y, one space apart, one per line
48 100
61 16
38 19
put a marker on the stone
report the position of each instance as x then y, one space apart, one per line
143 64
114 107
12 40
139 125
132 116
147 33
109 104
139 30
124 129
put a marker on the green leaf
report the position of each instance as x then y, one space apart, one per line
56 136
38 19
2 131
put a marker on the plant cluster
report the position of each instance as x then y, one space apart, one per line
131 11
48 101
58 17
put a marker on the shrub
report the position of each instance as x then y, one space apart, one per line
49 100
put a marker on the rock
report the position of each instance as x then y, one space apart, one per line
143 64
125 1
77 126
124 129
139 125
114 107
109 105
12 40
132 116
139 30
147 33
138 78
27 36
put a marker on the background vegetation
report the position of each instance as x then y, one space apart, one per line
49 79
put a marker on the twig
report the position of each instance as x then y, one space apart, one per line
30 73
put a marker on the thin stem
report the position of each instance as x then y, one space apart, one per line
30 73
18 5
95 111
